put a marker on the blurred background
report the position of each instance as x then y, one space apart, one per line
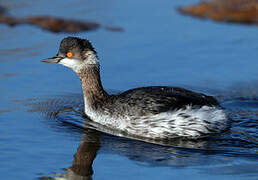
139 43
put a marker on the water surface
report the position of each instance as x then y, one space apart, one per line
158 47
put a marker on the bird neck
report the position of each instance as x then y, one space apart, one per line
91 85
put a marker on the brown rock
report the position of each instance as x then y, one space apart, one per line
11 21
61 25
237 11
53 24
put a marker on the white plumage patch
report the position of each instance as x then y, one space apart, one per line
104 119
189 122
76 65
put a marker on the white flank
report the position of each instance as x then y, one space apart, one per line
189 122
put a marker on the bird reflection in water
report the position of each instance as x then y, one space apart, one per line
81 168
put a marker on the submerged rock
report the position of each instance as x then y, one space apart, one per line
11 21
236 11
61 25
53 24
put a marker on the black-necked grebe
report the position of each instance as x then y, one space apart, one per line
157 112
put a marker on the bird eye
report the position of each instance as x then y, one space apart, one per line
69 54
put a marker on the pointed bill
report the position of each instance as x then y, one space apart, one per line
55 59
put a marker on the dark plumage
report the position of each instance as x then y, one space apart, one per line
71 43
154 100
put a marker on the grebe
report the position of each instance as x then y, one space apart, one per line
157 112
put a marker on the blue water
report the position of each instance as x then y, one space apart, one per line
159 46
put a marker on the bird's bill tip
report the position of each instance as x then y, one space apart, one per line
52 60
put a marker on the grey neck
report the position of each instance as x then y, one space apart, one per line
91 85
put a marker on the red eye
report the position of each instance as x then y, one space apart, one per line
69 54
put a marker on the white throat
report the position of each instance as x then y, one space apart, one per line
77 65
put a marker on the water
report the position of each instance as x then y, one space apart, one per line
158 47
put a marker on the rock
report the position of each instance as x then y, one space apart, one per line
236 11
11 21
53 24
61 25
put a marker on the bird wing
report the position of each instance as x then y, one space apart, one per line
156 99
